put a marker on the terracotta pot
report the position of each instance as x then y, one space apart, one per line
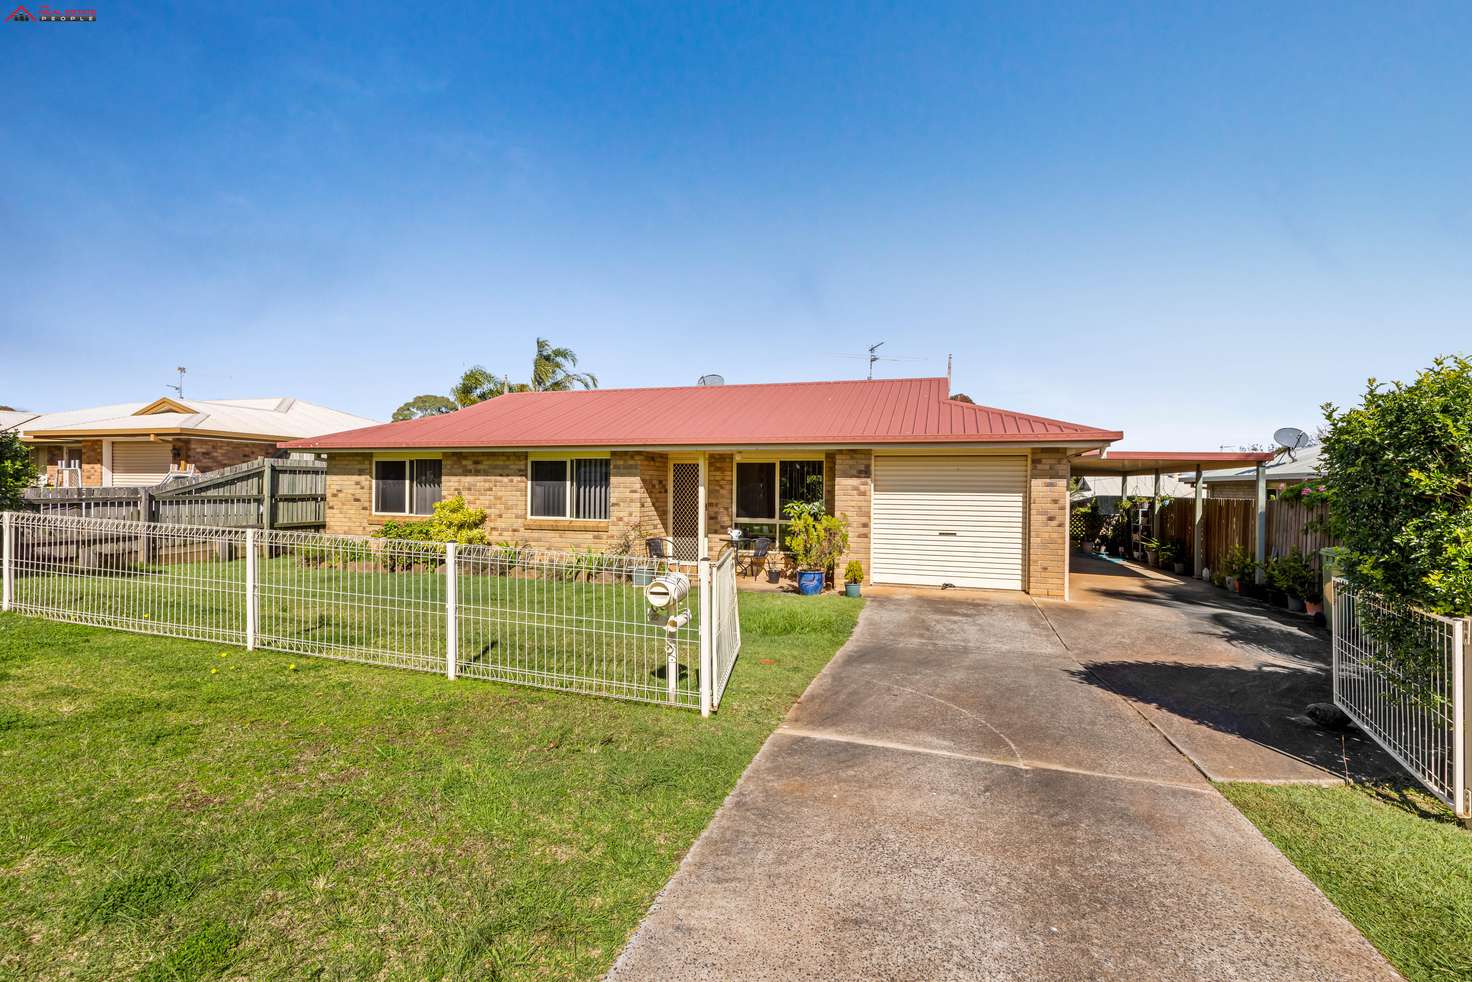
1313 607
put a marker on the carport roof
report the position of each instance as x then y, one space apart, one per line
1101 462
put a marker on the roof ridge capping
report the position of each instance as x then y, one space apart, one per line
724 385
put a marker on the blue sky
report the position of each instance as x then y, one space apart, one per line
1194 222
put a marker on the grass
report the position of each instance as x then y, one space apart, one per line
1393 859
522 627
176 809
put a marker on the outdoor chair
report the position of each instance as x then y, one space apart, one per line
757 558
658 548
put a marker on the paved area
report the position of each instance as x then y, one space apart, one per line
1225 679
957 797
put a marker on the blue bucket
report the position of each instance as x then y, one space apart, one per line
810 582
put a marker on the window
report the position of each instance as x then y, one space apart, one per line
569 487
406 487
765 488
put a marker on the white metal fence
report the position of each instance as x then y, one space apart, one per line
571 621
1419 716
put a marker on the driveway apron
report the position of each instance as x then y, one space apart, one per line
955 797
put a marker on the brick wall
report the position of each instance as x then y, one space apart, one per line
853 472
1047 524
210 455
720 491
92 463
496 481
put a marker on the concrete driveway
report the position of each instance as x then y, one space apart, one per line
958 797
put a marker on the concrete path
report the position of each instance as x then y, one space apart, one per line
956 798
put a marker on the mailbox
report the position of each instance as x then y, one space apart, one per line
667 590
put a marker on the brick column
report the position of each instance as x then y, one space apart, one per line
1047 524
853 480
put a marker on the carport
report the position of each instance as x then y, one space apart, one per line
1125 464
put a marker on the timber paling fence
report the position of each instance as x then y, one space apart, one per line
1229 522
577 622
1419 714
266 493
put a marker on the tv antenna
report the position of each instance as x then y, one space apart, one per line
874 356
180 387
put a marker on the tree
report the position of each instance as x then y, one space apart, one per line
1399 473
425 405
552 371
17 469
479 384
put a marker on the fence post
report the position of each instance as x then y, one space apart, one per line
145 516
707 638
7 561
452 627
1461 739
268 493
250 589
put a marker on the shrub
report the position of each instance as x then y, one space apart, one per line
815 542
17 470
452 521
1399 473
1238 563
853 572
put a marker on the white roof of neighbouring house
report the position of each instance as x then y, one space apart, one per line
11 419
267 419
1139 486
1291 465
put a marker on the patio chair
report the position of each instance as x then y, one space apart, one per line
757 558
659 548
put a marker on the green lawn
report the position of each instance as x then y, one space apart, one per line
526 626
181 809
1394 860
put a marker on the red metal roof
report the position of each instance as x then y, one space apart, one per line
883 411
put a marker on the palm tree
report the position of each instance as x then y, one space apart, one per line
551 370
479 384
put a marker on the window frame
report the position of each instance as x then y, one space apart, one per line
569 460
411 462
775 462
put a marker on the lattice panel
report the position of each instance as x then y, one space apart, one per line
685 511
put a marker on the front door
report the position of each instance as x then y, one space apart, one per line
685 520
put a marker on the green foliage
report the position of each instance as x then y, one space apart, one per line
1294 575
17 470
1238 563
815 541
1399 468
453 521
552 371
1309 493
853 572
425 405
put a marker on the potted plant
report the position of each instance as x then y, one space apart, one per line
814 543
1152 550
1178 556
1299 579
1276 573
1238 566
853 576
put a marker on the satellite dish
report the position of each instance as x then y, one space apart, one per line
710 380
1291 438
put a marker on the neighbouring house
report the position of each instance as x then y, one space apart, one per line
1105 490
140 444
1290 467
935 491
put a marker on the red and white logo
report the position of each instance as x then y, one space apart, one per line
20 15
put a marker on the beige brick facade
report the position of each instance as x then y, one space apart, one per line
853 479
1047 524
639 502
210 455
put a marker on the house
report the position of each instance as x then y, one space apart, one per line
1291 467
1106 489
140 444
935 491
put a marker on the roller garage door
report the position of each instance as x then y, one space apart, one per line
949 519
140 463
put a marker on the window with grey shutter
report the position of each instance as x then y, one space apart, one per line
590 488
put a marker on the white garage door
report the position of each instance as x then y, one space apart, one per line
945 519
140 464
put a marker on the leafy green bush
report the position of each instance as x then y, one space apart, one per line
1399 471
815 541
1238 563
17 470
